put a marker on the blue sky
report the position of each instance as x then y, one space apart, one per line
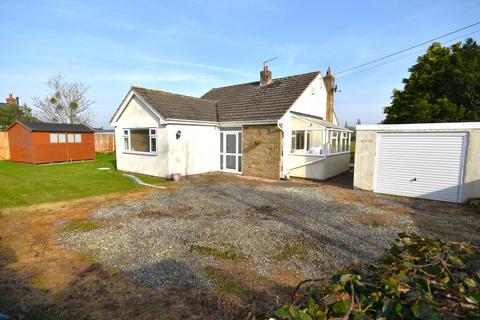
189 47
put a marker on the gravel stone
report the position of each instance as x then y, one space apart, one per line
303 228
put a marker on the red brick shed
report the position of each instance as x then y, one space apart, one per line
41 142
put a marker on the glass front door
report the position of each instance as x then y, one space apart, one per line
231 150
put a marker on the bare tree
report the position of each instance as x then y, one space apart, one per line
66 102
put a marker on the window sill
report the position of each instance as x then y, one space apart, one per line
141 153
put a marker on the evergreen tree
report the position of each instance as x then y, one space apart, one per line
444 86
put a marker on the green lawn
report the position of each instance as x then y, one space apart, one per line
26 184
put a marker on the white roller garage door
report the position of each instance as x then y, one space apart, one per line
423 165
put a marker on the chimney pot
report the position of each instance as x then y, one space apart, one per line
11 99
329 72
265 76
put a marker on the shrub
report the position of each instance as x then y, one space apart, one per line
419 278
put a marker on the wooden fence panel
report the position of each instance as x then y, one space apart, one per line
4 148
104 142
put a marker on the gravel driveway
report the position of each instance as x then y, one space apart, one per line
185 235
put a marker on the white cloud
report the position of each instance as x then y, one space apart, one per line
137 77
186 63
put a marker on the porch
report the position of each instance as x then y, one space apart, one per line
317 149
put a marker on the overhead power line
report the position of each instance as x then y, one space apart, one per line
404 56
407 49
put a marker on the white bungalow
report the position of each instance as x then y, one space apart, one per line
272 128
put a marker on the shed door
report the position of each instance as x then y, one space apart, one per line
423 165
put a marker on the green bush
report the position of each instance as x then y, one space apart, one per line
419 278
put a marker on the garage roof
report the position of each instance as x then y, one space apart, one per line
418 126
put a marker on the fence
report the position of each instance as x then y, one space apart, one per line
4 148
104 142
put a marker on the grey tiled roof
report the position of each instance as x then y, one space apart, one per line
55 127
241 102
176 106
250 101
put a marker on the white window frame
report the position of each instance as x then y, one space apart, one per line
152 136
126 135
71 138
340 135
78 138
238 150
62 138
53 138
343 139
306 134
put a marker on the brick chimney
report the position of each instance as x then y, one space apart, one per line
329 81
265 76
11 99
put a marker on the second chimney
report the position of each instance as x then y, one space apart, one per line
329 81
265 76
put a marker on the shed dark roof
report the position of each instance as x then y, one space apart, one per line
177 106
250 101
241 102
55 127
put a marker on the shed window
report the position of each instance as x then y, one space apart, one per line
62 138
53 138
140 140
71 138
78 138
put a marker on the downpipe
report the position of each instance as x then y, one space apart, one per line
284 176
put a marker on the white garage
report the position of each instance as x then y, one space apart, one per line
430 161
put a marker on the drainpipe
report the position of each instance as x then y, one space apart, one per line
284 157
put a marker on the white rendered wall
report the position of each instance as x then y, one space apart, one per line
196 151
313 100
137 116
328 167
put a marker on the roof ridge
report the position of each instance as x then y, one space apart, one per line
173 94
252 82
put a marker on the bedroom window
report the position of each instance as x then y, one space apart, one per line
142 140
